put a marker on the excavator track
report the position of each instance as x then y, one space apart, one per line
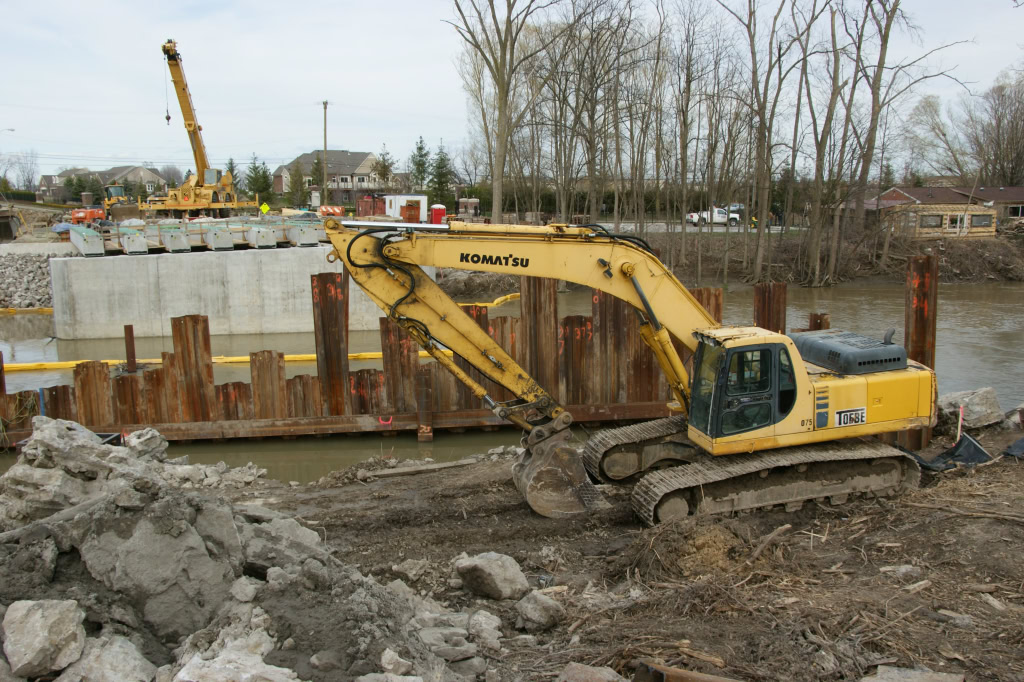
602 445
788 476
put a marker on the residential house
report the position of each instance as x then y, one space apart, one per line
139 176
1008 201
349 175
51 187
935 213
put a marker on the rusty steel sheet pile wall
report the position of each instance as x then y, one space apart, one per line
770 306
597 366
919 326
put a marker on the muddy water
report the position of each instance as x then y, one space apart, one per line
307 459
979 344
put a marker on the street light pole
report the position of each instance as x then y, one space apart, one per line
323 188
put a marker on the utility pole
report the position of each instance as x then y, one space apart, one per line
323 187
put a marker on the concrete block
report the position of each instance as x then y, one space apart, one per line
255 291
218 238
261 237
132 242
87 241
174 240
303 235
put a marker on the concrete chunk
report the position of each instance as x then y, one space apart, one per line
493 575
43 636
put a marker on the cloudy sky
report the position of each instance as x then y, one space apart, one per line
85 83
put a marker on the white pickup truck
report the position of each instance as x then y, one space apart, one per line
721 218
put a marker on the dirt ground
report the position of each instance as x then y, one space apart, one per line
931 578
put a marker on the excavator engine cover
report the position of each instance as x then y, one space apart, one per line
849 353
551 476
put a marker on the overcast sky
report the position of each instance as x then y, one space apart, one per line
85 83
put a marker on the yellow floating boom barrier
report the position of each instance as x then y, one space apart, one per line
217 360
26 311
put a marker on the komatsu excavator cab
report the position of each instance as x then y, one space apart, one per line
741 389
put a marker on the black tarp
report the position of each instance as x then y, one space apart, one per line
967 452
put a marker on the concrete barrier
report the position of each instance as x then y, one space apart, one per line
242 292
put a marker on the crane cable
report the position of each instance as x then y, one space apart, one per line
167 101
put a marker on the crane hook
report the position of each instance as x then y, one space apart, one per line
168 117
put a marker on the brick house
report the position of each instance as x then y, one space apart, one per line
349 175
936 213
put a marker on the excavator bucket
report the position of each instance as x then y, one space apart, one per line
119 212
551 476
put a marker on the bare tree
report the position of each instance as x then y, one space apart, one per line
26 164
839 172
995 132
172 174
936 140
767 77
821 131
888 83
494 33
471 161
481 102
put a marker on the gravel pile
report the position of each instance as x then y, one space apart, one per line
25 281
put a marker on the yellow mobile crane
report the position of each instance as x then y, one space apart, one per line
766 419
208 191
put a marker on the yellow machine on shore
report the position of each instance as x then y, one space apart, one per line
767 419
208 191
116 204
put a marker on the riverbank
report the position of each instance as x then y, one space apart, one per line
198 569
960 261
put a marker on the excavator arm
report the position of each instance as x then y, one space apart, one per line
385 260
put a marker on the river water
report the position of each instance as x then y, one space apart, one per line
980 328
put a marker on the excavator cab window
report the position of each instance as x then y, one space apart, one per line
787 383
705 382
741 389
748 396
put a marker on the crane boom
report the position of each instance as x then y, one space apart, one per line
188 111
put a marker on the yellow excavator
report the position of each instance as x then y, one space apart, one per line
209 191
766 419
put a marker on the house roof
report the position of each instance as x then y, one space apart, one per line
997 194
924 195
339 162
107 176
70 172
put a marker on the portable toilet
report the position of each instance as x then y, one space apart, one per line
437 213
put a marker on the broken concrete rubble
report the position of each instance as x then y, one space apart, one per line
109 658
577 672
493 575
980 406
538 612
42 636
182 585
886 673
